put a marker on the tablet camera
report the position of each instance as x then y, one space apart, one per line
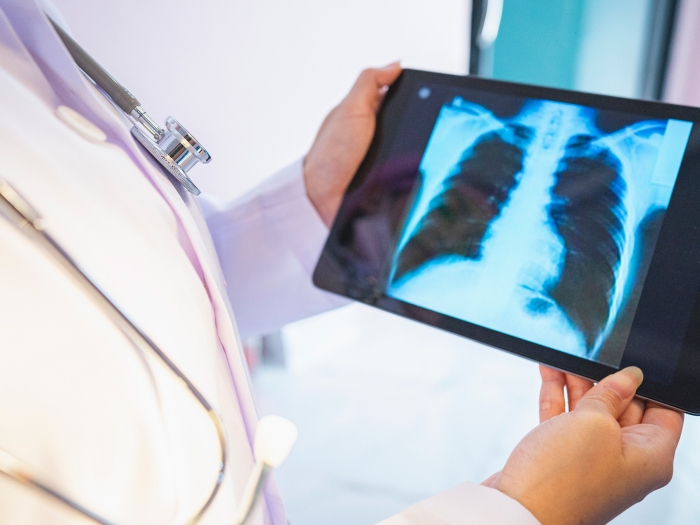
424 92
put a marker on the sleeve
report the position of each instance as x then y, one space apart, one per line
466 504
268 243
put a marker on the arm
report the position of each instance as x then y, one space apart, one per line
466 504
269 240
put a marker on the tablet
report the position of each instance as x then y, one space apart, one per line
563 227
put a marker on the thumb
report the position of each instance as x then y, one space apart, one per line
367 88
614 393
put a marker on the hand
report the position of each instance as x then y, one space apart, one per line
586 466
343 141
552 401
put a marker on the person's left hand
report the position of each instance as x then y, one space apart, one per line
343 141
586 466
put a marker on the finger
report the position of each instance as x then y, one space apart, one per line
633 414
666 418
388 74
551 393
576 388
614 393
367 90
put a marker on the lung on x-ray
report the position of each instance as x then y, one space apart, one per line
541 225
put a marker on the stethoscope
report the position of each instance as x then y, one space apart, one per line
178 151
173 147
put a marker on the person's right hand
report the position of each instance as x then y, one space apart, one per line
586 466
343 140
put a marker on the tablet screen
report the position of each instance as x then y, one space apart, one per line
538 219
562 225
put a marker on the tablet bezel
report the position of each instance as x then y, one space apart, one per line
682 393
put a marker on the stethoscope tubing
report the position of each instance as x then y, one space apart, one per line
29 222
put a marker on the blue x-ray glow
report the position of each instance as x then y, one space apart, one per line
531 225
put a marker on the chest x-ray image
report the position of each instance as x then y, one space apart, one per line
540 225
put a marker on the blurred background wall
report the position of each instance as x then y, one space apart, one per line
254 79
389 411
613 47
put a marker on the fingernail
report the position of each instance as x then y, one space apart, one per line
636 372
626 381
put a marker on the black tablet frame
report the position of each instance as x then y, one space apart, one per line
682 393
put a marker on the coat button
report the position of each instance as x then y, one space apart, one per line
80 124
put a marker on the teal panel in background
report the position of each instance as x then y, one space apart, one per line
538 42
599 46
614 46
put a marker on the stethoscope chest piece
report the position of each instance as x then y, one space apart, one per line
176 150
173 147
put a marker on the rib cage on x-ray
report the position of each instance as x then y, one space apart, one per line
570 185
474 197
589 216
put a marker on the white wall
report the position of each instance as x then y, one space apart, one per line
254 79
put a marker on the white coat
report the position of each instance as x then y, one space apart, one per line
104 424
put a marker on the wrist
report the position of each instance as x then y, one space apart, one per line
323 199
538 508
